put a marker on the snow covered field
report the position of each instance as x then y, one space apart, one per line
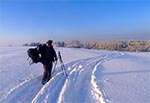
94 76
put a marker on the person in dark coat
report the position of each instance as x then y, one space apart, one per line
48 56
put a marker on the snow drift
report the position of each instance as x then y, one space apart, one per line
94 76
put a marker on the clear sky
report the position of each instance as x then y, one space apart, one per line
24 21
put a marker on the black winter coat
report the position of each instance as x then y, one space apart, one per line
47 54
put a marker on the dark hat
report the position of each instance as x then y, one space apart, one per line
49 42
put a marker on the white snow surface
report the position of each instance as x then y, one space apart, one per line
94 76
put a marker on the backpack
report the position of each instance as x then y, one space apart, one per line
33 54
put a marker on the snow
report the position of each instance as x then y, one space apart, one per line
94 76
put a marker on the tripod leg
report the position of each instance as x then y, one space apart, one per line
62 64
64 69
54 67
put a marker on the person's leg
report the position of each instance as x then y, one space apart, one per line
44 75
50 65
45 72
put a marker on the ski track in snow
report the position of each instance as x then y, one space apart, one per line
42 94
97 93
63 83
29 84
42 90
78 64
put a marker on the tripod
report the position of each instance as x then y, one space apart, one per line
61 63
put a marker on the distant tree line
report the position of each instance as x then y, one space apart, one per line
118 45
31 44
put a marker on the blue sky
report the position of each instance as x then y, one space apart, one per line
67 20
